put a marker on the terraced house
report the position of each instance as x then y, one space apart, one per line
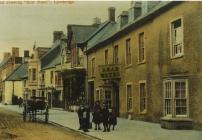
148 64
50 74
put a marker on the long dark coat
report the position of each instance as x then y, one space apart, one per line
97 114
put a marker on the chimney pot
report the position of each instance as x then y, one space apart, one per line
111 13
57 35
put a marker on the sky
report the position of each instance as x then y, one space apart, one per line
23 24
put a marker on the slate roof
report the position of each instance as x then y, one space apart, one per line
52 57
110 31
19 73
82 32
4 62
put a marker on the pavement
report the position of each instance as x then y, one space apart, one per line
126 129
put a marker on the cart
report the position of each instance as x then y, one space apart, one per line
35 106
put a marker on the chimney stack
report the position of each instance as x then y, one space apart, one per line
26 55
57 35
96 21
6 55
15 52
111 14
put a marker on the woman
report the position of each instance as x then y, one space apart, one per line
97 115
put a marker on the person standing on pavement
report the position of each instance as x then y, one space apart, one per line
86 119
105 117
112 118
97 115
80 116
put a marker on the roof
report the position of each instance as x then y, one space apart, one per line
52 57
53 63
3 62
82 32
111 32
19 73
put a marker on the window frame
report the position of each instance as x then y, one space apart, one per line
173 90
93 67
140 47
106 56
131 85
145 110
126 52
172 55
116 54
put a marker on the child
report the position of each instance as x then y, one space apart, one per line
112 118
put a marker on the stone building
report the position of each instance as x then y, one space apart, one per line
50 76
74 74
9 63
34 67
148 63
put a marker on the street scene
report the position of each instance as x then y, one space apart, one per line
100 70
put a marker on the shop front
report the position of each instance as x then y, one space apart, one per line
108 90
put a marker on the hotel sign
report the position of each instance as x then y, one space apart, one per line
109 71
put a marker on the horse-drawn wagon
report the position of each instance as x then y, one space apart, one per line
35 106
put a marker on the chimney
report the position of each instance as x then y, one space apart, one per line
111 14
15 52
123 19
26 55
57 35
6 55
96 21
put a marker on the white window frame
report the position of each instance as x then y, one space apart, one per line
172 54
173 102
129 84
93 74
145 110
126 56
139 55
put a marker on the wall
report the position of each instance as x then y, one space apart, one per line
158 63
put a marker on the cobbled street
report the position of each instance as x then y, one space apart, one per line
13 128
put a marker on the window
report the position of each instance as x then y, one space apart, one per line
108 98
93 66
177 49
141 48
51 77
33 92
129 97
116 57
33 74
128 52
97 95
143 97
175 97
106 57
30 74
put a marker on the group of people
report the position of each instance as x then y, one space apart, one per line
106 116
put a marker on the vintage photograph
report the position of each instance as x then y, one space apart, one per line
100 70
